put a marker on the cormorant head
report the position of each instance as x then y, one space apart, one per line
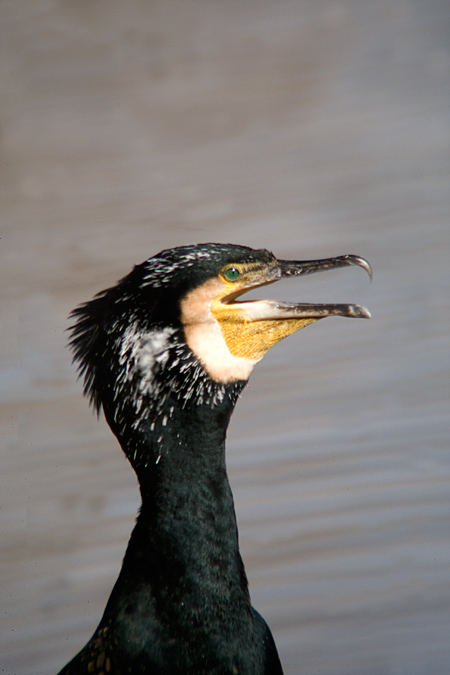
228 335
181 310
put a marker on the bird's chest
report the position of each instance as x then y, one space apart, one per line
210 640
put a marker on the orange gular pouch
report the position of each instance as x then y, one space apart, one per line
249 339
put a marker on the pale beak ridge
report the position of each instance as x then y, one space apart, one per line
295 268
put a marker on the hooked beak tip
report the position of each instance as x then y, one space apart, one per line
361 262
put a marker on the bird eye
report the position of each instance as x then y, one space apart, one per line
232 274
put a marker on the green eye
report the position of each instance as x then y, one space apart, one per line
232 274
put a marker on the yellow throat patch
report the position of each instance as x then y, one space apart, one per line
250 339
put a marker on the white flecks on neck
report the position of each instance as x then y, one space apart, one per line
140 351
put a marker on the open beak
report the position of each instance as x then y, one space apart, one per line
264 310
250 327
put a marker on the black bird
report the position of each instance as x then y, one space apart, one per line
165 354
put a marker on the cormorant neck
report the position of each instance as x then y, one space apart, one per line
182 566
173 440
165 410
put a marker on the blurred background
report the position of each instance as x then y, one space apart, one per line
312 129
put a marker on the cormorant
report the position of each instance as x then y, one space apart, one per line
165 354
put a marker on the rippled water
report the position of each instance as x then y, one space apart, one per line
312 129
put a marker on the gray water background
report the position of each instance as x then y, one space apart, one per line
312 128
